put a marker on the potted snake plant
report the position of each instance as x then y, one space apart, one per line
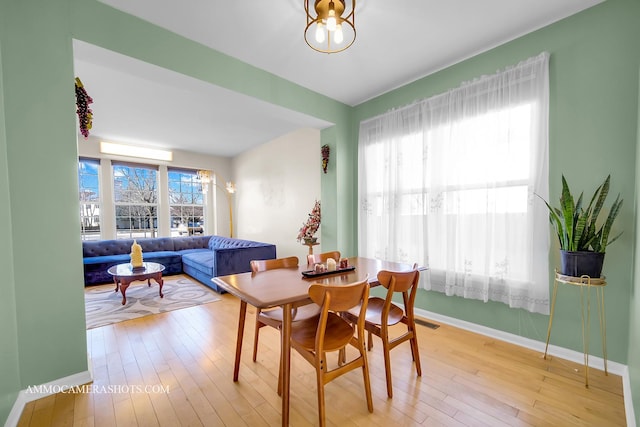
582 240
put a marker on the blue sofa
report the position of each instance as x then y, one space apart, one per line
201 257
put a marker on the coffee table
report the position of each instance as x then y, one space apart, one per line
124 274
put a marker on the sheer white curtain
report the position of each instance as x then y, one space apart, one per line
450 182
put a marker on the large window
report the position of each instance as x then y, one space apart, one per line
186 203
450 182
135 191
89 189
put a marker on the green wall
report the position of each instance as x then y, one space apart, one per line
634 317
9 379
593 115
41 176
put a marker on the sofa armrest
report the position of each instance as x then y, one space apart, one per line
237 260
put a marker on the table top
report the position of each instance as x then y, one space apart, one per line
127 270
287 285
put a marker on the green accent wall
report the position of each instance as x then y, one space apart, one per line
634 316
41 179
593 129
9 378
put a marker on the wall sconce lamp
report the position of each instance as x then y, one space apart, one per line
229 189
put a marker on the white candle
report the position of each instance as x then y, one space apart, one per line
331 264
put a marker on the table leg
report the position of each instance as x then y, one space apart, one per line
285 354
124 284
241 318
160 282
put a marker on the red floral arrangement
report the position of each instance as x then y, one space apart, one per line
85 115
310 228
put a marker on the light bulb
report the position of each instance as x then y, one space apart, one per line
331 20
338 37
319 33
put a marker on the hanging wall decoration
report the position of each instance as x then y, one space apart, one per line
85 115
325 157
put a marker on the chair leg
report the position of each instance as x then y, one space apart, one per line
342 356
414 351
387 362
365 374
255 337
320 385
280 375
369 340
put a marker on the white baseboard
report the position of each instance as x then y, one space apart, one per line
34 393
560 352
628 401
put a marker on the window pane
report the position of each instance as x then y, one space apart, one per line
186 203
89 196
136 198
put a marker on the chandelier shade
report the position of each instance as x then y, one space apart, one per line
330 25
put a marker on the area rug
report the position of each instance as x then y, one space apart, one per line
103 306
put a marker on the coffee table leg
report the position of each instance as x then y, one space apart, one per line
124 284
116 282
160 282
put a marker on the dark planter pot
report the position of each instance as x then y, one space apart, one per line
581 263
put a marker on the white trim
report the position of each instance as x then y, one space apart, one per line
26 396
628 400
563 353
560 352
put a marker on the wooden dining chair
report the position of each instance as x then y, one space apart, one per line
381 313
327 332
313 259
273 317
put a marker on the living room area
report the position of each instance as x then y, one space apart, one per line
593 132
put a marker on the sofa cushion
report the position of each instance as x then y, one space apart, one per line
190 251
202 261
107 259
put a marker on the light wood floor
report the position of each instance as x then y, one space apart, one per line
467 379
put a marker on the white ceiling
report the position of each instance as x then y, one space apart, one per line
397 42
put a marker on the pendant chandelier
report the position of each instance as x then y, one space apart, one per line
330 25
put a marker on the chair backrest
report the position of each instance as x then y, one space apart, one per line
336 298
323 257
405 282
399 281
272 264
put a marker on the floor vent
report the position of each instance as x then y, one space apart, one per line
427 324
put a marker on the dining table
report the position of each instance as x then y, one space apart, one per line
288 288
